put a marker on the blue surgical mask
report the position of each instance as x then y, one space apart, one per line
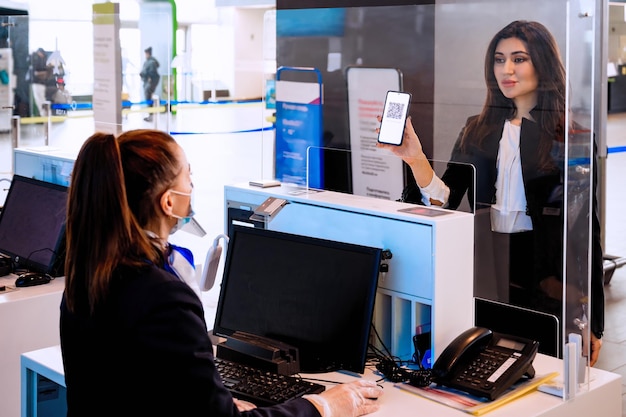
182 220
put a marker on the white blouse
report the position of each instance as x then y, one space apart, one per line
508 214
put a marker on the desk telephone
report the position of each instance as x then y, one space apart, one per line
485 363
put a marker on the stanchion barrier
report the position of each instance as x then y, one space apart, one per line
48 124
155 114
16 131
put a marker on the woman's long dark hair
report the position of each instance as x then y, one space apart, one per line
114 190
550 109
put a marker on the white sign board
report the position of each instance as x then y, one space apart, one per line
375 172
107 81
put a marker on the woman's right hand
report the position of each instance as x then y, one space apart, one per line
351 399
411 152
410 149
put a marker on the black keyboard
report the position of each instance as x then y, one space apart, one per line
262 388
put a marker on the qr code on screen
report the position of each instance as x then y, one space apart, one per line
395 110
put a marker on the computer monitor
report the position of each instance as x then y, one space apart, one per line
314 294
32 225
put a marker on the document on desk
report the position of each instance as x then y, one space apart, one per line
475 405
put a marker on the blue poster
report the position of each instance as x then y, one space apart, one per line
298 128
299 158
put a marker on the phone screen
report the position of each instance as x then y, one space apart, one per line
394 117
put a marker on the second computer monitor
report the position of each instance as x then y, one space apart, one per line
32 225
314 294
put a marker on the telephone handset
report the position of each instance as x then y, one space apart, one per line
485 363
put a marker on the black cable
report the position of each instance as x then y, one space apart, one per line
5 189
27 260
392 367
418 355
319 380
380 340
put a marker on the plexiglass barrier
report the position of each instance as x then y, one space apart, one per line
339 169
210 101
543 253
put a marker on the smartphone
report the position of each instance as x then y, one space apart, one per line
395 112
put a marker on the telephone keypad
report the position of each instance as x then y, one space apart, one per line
485 370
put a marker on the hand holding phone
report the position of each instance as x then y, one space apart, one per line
395 112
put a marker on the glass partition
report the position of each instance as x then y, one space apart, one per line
208 95
439 53
583 265
375 179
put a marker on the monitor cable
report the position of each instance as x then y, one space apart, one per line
394 370
25 269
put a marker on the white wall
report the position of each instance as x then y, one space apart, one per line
225 42
249 79
617 34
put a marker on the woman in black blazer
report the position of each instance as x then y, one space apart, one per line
133 336
514 149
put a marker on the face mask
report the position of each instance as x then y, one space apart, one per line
182 220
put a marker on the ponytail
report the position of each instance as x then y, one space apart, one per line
101 231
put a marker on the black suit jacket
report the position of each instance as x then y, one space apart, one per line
146 352
544 190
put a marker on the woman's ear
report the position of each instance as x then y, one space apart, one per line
167 203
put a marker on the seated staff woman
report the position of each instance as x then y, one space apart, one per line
133 336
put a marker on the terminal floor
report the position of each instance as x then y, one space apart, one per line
613 353
232 152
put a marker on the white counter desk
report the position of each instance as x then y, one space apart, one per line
30 320
416 289
602 399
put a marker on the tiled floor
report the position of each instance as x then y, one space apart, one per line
229 157
613 353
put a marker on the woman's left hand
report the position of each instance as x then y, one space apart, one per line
243 405
596 345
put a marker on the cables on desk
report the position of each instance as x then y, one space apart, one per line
393 369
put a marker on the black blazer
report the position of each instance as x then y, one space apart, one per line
146 352
544 190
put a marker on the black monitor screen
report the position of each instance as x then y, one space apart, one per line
32 223
314 294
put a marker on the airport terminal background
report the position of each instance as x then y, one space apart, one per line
229 139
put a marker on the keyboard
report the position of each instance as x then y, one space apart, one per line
260 387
